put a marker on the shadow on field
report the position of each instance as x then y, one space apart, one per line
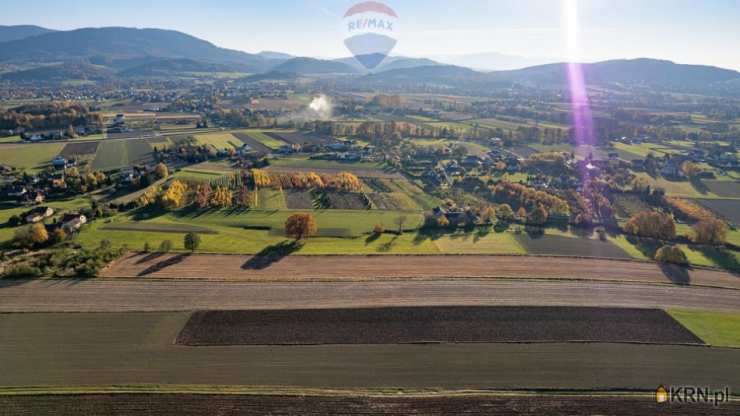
147 257
678 275
272 254
161 265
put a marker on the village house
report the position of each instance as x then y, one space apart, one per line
73 222
38 214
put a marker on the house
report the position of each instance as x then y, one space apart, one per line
472 161
285 149
16 191
38 214
672 168
120 120
59 162
73 222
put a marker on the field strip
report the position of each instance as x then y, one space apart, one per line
119 295
297 268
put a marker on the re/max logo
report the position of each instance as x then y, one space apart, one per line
371 23
693 394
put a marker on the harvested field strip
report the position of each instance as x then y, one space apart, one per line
271 199
570 246
315 405
42 349
79 149
727 208
724 189
359 267
326 167
256 145
117 154
158 228
433 325
218 140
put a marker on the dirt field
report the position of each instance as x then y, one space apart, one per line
278 405
119 295
78 149
549 244
452 324
299 138
253 143
82 349
727 208
294 268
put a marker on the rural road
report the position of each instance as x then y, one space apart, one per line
121 295
359 268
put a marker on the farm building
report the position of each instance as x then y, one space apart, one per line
39 214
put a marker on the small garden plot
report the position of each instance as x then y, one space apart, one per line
271 199
347 200
724 189
158 228
256 145
433 325
296 199
555 245
79 149
626 205
386 201
377 185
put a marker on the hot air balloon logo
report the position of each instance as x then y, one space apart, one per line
370 27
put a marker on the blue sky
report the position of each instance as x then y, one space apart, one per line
686 31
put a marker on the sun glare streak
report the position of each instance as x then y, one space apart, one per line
580 108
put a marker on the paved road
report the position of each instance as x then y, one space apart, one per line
117 295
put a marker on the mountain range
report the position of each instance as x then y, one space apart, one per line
109 52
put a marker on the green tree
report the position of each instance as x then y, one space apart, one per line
165 246
192 241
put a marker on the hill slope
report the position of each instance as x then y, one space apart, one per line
122 43
314 66
10 33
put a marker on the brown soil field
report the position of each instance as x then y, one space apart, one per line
78 149
253 143
295 199
727 208
450 324
121 295
385 201
293 268
128 349
346 200
279 405
725 189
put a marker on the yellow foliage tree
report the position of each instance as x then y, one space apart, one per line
261 178
710 231
174 196
222 197
300 226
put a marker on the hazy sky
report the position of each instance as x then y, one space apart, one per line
685 31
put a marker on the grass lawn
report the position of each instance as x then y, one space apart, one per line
7 233
10 139
32 157
715 328
677 188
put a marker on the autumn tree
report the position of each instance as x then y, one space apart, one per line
174 197
245 198
538 216
300 226
222 197
505 213
651 224
443 222
260 178
521 213
161 171
487 214
710 231
348 182
203 195
31 235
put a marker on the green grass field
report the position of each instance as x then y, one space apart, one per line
677 188
219 141
30 157
116 154
261 137
302 162
714 328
